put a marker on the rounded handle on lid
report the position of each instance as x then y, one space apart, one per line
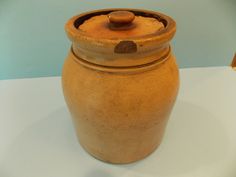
121 17
121 20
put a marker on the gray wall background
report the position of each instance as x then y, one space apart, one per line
33 42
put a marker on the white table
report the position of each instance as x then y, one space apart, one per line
37 137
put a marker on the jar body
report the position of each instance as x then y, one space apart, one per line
120 117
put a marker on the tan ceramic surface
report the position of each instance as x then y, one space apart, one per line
120 112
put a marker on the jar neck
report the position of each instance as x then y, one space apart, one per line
101 64
121 60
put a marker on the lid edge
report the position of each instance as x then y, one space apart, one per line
143 42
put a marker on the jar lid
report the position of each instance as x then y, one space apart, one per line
120 25
114 37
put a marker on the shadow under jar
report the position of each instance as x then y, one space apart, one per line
120 81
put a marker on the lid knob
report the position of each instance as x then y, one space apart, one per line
121 20
121 17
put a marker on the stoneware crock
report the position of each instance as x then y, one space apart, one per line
120 81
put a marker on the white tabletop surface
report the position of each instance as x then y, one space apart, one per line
37 138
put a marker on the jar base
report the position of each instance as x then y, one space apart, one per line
120 162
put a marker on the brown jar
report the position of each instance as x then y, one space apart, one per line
120 81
